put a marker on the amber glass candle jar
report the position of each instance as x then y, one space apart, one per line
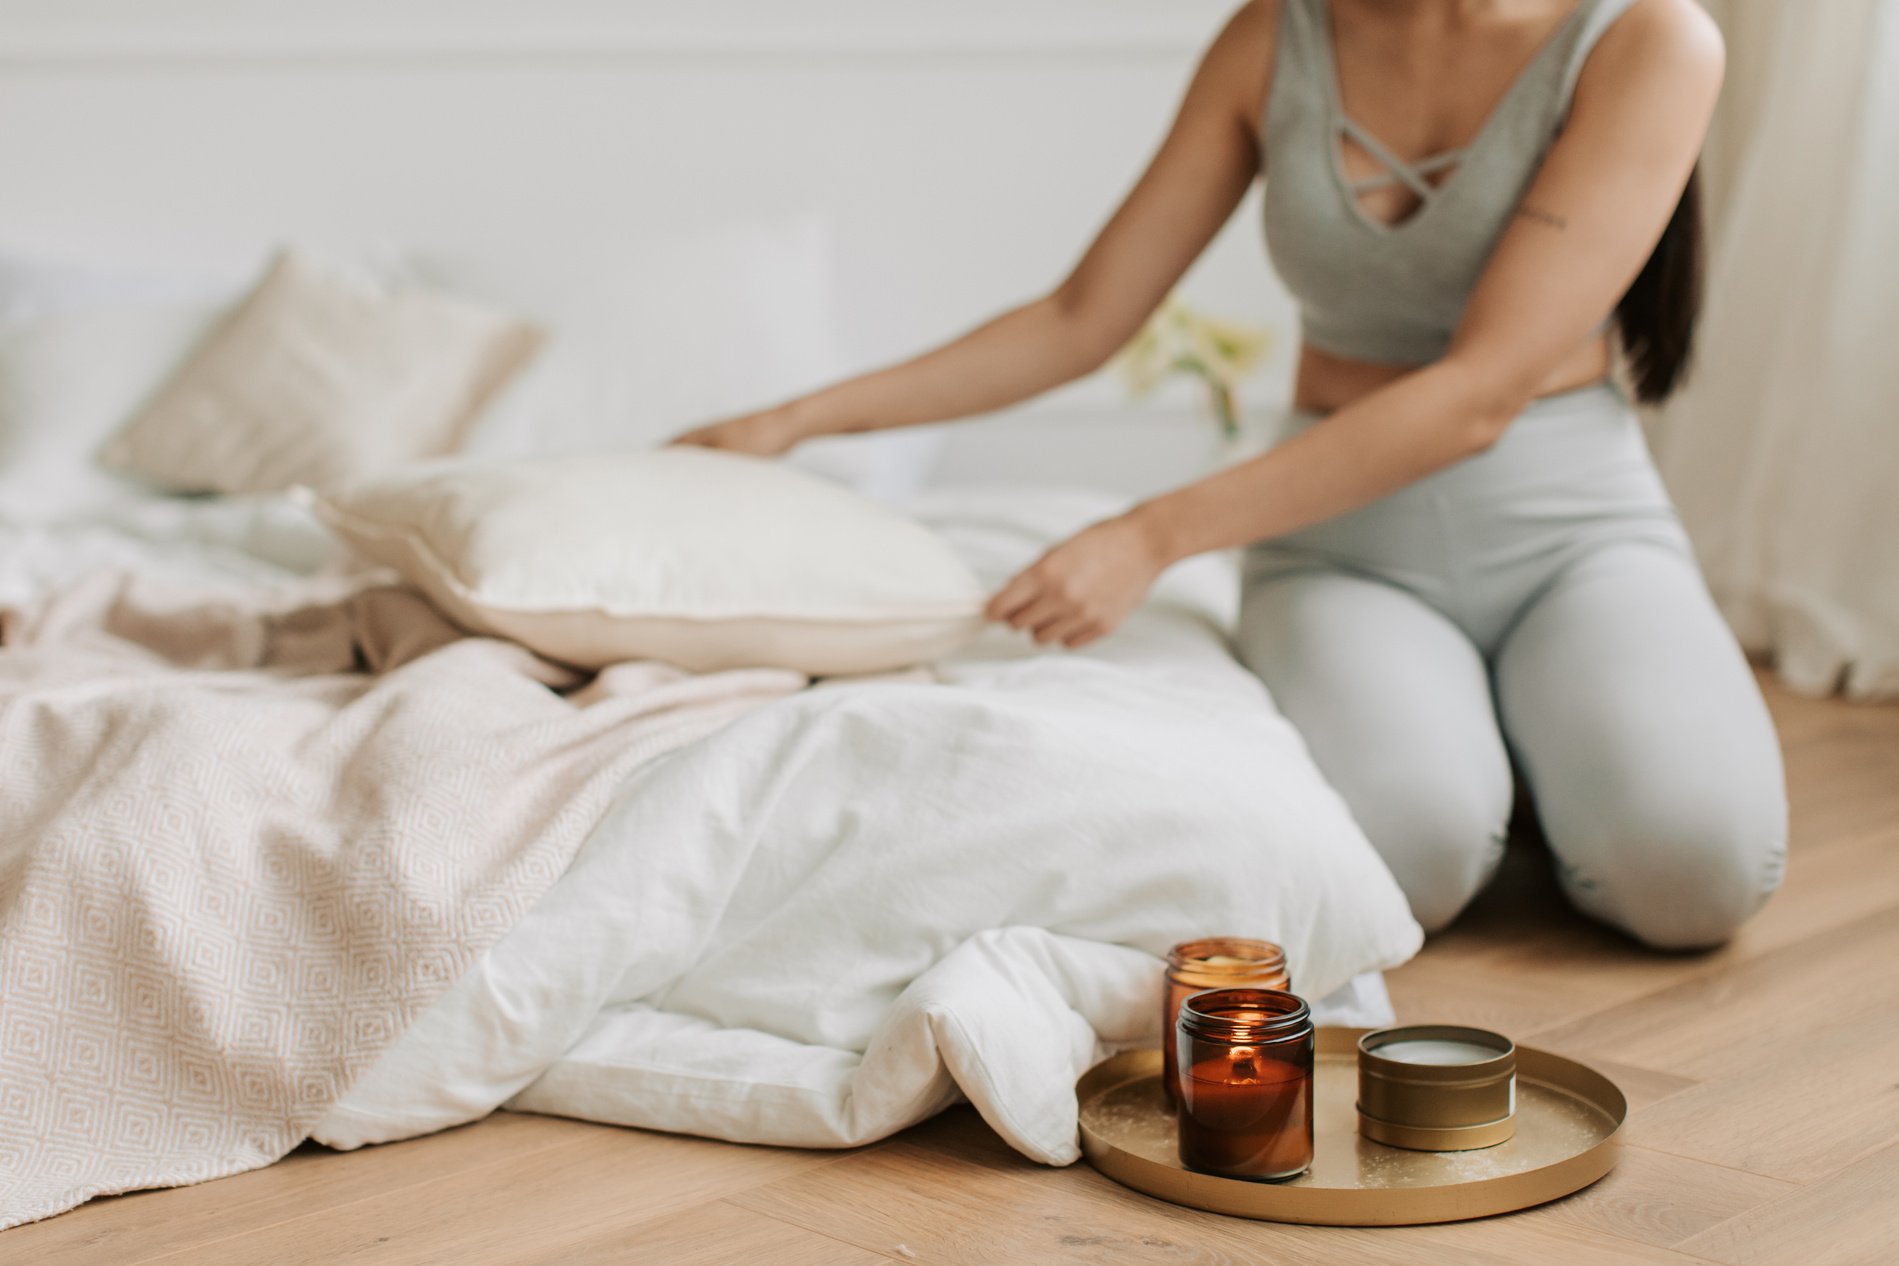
1217 962
1245 1083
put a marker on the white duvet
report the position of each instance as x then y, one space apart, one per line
839 914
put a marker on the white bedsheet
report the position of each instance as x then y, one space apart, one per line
250 540
840 914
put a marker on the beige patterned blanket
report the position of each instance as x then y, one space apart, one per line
242 849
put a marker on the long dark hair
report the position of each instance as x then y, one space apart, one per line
1657 316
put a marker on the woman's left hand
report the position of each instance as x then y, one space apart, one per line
1083 588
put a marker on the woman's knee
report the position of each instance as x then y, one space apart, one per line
1679 874
1441 844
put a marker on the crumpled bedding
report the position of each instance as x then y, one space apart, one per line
805 916
243 844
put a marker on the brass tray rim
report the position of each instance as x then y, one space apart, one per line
1363 1206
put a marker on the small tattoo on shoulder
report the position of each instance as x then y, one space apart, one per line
1540 216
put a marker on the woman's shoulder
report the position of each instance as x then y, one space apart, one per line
1242 54
1657 37
1258 16
1249 32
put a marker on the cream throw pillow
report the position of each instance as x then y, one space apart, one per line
316 378
704 559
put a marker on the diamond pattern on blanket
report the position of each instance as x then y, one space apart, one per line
223 894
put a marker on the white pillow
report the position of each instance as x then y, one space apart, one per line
317 377
708 560
650 334
67 382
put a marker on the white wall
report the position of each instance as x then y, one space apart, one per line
963 152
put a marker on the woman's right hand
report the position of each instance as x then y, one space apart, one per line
764 434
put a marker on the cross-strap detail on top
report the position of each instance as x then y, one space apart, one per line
1392 293
1397 170
1412 174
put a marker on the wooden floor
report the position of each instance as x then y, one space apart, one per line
1764 1079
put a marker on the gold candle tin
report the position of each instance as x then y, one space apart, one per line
1437 1087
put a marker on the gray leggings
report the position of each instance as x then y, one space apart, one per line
1540 602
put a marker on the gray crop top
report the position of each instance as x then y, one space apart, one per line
1394 293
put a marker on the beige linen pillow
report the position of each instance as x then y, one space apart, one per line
315 378
705 559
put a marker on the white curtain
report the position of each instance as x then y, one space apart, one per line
1783 453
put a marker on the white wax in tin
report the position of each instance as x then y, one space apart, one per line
1420 1050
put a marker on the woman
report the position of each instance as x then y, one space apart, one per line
1462 553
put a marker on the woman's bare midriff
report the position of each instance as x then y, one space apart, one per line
1326 383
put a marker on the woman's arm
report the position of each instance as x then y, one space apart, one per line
1596 209
1188 192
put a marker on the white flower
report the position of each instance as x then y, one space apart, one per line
1179 340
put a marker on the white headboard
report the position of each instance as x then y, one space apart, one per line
962 152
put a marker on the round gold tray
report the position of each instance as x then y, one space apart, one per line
1569 1126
